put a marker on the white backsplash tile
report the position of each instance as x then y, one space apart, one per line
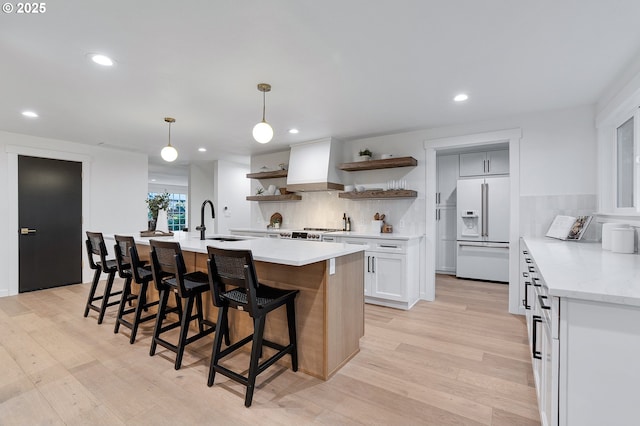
325 210
538 211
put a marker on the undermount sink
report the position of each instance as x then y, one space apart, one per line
225 238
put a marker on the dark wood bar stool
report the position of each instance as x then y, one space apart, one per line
131 268
234 284
96 247
170 275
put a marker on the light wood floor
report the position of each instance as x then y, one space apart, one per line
459 360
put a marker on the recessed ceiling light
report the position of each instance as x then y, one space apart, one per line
202 149
30 114
461 97
293 131
102 60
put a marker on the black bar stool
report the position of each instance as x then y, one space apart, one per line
170 275
96 246
234 284
131 268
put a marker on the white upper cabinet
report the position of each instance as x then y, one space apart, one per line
484 163
447 175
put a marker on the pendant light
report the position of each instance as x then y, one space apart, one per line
262 132
169 153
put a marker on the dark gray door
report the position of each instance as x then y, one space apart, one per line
50 220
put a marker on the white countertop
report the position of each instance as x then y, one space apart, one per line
582 270
285 252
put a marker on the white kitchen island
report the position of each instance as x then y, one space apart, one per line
329 307
587 334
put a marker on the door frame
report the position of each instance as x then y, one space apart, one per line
431 146
13 151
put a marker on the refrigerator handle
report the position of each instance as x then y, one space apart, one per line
485 209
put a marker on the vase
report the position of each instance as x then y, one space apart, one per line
162 222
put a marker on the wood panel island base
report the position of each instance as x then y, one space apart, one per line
329 307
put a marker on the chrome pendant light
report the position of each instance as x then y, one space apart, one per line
169 153
263 132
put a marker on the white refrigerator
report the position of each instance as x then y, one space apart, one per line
483 229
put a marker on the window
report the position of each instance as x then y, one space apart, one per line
624 163
177 211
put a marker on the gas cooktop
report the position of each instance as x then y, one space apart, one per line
310 234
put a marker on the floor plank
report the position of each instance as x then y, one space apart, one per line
462 359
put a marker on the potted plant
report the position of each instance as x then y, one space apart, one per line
364 155
155 204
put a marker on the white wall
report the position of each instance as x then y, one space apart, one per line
114 190
201 188
557 158
226 185
232 208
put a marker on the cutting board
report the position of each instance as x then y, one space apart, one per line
276 217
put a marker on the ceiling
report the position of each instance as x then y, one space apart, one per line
346 69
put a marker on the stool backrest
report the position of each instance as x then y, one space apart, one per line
123 255
96 246
233 268
167 261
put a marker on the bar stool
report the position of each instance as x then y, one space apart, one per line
170 275
131 268
234 284
96 246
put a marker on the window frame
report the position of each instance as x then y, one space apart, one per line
635 208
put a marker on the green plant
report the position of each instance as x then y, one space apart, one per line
259 191
365 151
158 202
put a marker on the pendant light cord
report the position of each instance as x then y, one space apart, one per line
169 134
264 101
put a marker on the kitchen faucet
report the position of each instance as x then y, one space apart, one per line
203 228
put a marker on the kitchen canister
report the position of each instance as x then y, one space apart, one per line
606 233
622 240
376 226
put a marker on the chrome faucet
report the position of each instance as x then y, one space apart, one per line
203 228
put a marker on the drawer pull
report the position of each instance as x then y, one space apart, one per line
534 352
542 299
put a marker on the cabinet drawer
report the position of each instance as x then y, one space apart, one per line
380 245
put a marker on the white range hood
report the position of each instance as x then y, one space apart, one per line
313 166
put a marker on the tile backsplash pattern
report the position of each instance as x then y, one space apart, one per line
538 211
324 210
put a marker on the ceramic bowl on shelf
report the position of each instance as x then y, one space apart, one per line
349 188
386 156
360 188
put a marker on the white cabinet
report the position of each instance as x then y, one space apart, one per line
392 271
446 234
542 313
585 352
447 173
484 163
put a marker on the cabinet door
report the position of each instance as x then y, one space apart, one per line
447 178
368 275
388 276
446 240
473 164
498 162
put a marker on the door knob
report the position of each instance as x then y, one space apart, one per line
25 231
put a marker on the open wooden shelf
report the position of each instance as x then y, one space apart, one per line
285 197
268 175
387 163
373 195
